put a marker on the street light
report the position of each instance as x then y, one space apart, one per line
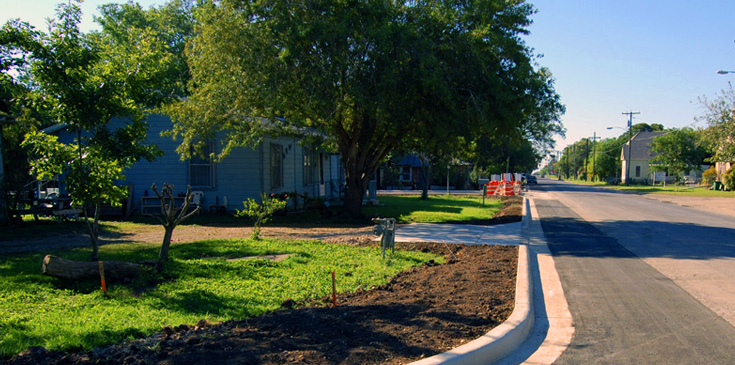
723 72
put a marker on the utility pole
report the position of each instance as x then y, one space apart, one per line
594 154
574 161
630 138
586 157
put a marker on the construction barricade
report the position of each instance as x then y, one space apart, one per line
509 184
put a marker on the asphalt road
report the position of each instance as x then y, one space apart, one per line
646 281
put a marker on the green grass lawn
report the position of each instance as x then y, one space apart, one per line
700 191
199 282
436 209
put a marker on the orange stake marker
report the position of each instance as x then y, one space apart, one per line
102 277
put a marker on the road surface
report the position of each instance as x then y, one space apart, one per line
646 281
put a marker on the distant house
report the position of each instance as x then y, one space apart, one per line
640 161
276 165
409 170
406 172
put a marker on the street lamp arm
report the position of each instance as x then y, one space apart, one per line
725 72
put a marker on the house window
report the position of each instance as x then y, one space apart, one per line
637 171
406 173
309 163
276 166
201 167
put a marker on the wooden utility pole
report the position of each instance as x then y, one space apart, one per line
630 138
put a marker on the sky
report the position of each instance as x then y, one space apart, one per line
608 57
655 57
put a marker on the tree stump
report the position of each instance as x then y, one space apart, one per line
68 269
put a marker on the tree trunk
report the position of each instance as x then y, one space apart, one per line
67 269
163 254
354 193
424 177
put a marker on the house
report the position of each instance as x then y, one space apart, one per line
275 166
637 164
409 170
639 161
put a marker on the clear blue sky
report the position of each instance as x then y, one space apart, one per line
654 57
608 56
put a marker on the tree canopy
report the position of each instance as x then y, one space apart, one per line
367 75
677 151
84 81
719 136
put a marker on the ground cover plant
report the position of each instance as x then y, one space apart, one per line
204 280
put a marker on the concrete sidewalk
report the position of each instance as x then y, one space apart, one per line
539 329
501 234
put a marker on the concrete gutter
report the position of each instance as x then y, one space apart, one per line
509 335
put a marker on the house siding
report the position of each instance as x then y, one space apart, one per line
244 173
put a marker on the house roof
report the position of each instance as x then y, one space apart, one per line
410 160
54 128
640 146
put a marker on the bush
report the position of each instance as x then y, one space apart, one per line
261 212
729 179
709 176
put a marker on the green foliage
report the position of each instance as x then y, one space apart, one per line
719 136
261 212
729 179
709 175
204 280
678 152
83 82
436 209
367 76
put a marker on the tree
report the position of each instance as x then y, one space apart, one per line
720 116
678 152
171 216
607 158
75 80
367 76
13 125
150 45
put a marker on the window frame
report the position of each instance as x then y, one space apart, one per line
403 173
276 165
309 165
196 160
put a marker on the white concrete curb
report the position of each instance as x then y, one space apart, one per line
505 338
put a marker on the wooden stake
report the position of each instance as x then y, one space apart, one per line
334 291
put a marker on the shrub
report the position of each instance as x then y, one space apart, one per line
709 176
729 179
261 212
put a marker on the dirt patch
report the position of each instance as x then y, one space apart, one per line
421 312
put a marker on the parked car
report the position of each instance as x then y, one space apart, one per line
531 179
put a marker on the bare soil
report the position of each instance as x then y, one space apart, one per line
421 312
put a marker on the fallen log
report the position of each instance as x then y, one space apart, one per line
68 269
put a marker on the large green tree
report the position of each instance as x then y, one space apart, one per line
677 151
84 81
368 75
720 116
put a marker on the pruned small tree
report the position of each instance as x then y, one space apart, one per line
171 216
